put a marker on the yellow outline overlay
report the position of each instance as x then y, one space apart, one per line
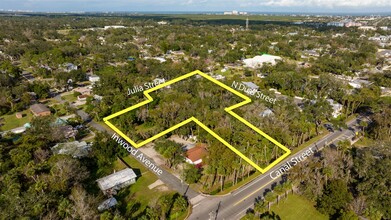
228 110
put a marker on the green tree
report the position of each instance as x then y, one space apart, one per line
191 174
334 198
270 197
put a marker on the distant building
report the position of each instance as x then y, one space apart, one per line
218 77
353 24
39 110
93 78
76 149
268 112
162 22
234 12
118 180
367 28
258 61
381 38
313 53
195 154
68 67
113 27
336 24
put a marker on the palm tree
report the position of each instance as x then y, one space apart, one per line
270 197
279 191
287 185
260 207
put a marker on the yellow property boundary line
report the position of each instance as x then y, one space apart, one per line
193 119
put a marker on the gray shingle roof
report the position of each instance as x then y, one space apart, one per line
39 108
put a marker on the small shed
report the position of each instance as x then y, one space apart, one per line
111 202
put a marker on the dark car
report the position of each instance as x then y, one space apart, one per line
329 127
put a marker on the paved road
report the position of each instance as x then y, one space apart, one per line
234 205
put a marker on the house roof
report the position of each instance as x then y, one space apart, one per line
75 148
39 108
250 85
116 178
107 204
259 60
196 152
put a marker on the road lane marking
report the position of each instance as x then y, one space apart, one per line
254 192
240 213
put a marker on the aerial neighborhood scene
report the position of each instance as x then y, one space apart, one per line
195 110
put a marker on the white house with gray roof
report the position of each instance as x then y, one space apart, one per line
117 180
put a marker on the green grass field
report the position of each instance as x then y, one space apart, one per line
69 98
10 121
139 191
297 207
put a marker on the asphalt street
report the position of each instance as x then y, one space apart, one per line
234 205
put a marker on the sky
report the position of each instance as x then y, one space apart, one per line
305 6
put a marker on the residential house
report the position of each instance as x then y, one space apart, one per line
116 181
358 83
384 53
337 108
312 53
82 97
251 85
218 77
83 90
39 110
68 131
194 155
76 149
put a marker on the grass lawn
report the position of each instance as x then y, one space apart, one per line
363 142
139 192
297 207
11 122
69 98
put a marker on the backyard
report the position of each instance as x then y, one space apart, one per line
297 207
9 122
